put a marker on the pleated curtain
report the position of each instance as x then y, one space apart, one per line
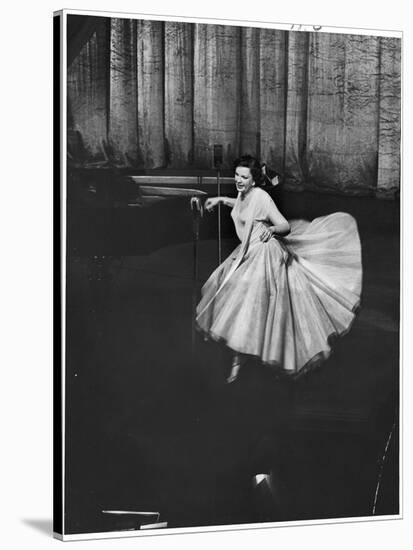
321 108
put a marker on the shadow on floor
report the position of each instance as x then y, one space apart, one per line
44 526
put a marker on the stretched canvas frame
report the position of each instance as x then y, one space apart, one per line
196 149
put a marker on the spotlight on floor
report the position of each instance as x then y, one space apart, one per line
266 500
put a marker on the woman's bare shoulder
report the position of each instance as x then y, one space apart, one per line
260 193
262 196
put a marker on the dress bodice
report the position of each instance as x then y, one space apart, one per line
254 212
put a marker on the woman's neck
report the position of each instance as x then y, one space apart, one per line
244 196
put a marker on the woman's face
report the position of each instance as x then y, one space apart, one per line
243 179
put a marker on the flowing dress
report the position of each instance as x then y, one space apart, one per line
282 300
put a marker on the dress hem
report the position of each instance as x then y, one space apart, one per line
314 362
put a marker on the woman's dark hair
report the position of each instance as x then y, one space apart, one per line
261 173
248 161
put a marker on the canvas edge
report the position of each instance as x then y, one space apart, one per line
62 137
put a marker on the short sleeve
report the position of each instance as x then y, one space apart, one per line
265 207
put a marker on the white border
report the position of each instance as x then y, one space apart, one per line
242 23
220 528
63 229
239 23
401 287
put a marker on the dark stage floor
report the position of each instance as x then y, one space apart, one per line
151 424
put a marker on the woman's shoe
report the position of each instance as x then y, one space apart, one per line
236 365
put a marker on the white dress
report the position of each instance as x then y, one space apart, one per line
282 301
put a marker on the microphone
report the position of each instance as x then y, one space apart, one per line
218 156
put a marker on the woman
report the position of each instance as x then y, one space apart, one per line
287 288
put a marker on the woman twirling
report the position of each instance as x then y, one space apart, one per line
287 288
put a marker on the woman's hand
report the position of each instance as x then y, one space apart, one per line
267 234
211 203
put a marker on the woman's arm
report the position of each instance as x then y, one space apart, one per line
280 226
228 201
214 201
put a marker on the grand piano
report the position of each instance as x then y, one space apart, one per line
115 213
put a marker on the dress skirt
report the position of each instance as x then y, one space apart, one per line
282 301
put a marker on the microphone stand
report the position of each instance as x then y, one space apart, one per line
218 159
197 212
219 215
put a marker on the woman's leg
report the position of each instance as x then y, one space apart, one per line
237 361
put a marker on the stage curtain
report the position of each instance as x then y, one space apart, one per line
389 115
295 170
343 111
179 96
321 108
87 91
151 136
250 139
273 96
217 92
123 113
